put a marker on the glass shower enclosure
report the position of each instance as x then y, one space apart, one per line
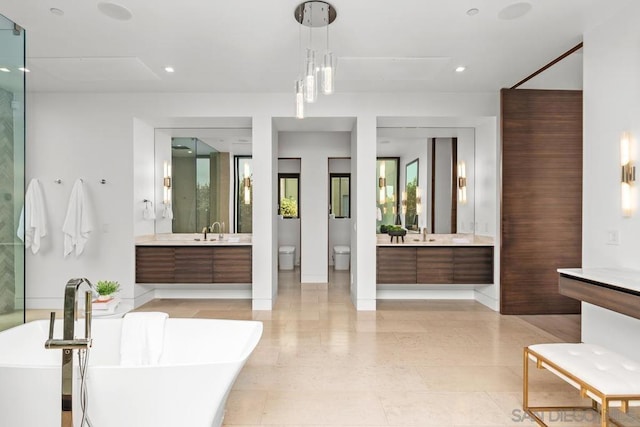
12 171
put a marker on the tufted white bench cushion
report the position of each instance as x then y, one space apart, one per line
609 372
609 379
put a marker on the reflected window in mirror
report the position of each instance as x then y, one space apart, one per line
289 195
339 205
198 176
244 194
388 200
409 202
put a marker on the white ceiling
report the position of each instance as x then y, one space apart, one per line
253 45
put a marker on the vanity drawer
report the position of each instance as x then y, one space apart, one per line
155 264
435 265
232 265
396 265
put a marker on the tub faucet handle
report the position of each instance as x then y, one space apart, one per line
52 321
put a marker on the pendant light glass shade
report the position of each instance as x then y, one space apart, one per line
310 78
328 71
314 76
299 99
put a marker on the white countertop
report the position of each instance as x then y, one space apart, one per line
619 277
193 239
414 239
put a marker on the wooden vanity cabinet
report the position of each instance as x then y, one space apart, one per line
434 265
193 264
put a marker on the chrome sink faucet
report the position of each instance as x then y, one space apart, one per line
69 342
220 229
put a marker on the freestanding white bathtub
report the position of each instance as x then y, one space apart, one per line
200 361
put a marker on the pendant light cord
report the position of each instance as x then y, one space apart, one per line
327 21
300 44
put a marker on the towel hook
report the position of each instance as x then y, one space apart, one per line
57 181
103 181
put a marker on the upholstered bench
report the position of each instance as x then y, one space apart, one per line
607 378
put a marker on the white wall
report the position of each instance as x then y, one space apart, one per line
314 150
611 106
162 154
76 136
353 280
365 238
487 206
95 136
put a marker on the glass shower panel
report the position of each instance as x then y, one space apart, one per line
12 124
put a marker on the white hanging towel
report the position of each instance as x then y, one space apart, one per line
33 223
167 211
148 213
142 338
77 224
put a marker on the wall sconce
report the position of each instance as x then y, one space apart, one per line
418 201
628 174
403 202
246 182
382 184
166 183
462 182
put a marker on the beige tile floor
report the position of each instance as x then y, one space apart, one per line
410 363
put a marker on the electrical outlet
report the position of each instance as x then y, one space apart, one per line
613 237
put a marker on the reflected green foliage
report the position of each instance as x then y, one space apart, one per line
288 207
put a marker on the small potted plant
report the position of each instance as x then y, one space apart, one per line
396 231
106 289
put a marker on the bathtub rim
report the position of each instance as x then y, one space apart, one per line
251 343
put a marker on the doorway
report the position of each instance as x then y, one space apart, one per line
289 212
339 219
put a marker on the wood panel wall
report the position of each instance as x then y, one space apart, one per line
541 198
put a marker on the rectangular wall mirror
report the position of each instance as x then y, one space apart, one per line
436 187
210 179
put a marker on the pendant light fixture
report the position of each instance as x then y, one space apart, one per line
314 14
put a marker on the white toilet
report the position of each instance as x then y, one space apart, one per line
341 257
286 257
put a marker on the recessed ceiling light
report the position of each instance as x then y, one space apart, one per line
26 70
169 69
460 69
473 11
115 11
56 11
515 11
5 70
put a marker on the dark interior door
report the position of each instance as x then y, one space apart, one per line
541 198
